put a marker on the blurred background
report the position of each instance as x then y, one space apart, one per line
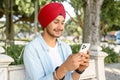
19 24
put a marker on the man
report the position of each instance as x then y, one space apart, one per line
47 57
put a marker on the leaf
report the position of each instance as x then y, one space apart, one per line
28 1
17 1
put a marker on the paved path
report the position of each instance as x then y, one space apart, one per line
112 71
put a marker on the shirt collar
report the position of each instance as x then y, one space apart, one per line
45 46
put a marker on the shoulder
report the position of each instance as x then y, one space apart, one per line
32 45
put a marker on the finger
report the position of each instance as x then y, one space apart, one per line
75 58
85 64
82 54
78 55
88 51
86 61
87 56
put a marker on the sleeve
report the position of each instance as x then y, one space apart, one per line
68 76
33 67
67 51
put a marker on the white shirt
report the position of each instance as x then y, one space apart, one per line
55 56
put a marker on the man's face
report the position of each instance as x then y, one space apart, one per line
56 27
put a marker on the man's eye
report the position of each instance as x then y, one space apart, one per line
55 22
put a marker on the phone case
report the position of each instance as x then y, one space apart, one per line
84 47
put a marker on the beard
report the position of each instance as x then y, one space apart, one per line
54 34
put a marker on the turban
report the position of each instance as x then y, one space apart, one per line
49 12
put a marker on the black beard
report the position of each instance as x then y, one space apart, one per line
52 34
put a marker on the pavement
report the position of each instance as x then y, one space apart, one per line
112 71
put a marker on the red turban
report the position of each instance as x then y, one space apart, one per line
49 12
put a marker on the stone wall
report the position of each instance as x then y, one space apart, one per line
17 72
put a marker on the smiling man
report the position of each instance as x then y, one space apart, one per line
47 57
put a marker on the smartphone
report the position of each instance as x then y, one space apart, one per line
84 47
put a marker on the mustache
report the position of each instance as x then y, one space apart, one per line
58 29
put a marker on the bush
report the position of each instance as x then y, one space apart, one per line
112 57
75 48
16 52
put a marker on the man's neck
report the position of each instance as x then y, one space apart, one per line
49 40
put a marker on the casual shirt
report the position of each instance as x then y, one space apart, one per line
38 64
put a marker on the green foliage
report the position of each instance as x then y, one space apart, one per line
110 14
75 48
112 57
72 29
78 10
57 0
28 7
25 6
16 52
76 4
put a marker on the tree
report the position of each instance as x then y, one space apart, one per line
9 21
110 17
89 11
17 8
35 18
72 29
92 21
78 9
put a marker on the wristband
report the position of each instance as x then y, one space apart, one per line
79 72
56 74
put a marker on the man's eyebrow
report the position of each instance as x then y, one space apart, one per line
59 20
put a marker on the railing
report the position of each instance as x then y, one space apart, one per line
16 72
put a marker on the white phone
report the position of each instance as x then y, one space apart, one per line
84 47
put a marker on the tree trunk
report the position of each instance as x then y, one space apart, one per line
91 29
35 18
87 23
9 22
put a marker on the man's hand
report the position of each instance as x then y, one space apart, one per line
84 61
73 62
